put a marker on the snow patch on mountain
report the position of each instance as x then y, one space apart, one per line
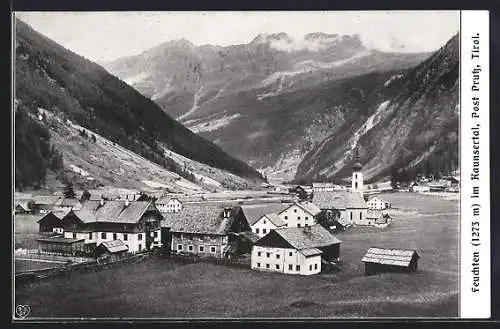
214 124
136 78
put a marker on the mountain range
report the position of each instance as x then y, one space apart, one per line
297 109
50 78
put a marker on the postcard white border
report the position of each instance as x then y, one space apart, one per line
475 259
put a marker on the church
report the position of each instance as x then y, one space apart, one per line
348 205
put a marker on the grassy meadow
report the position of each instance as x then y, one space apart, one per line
161 288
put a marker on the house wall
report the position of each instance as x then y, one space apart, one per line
213 245
360 216
134 241
263 226
295 216
376 203
274 259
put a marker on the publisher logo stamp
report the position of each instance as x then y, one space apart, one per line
22 311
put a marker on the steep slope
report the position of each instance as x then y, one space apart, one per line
52 77
413 125
237 96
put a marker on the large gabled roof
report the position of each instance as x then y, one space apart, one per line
114 246
46 199
340 199
113 211
273 218
255 212
201 218
397 257
306 206
315 236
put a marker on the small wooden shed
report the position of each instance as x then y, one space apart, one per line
378 260
111 250
61 245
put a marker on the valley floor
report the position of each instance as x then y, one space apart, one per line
162 288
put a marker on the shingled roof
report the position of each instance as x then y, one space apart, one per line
113 211
397 257
255 212
339 200
46 199
114 246
314 236
201 218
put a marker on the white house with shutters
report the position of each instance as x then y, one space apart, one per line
266 223
300 214
294 250
377 203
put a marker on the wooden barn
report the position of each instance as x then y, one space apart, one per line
379 260
50 223
111 251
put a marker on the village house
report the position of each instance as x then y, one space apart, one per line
376 202
294 250
61 245
23 207
322 187
300 214
419 187
43 204
267 223
348 207
135 223
168 204
378 260
378 218
51 222
207 230
65 204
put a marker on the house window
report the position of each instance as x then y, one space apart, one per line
268 254
212 249
190 248
267 266
298 225
125 237
264 230
277 267
140 247
360 216
139 237
103 235
114 236
290 267
155 234
258 253
264 221
298 217
310 267
277 256
290 253
297 268
179 247
306 225
350 215
307 218
295 210
356 185
258 264
201 248
74 235
315 266
257 230
90 236
286 217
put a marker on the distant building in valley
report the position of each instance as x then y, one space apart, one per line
378 218
168 204
376 202
294 250
419 187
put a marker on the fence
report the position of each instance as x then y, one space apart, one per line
35 254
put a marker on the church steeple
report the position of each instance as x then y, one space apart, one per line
357 175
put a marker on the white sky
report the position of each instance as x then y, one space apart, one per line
110 35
